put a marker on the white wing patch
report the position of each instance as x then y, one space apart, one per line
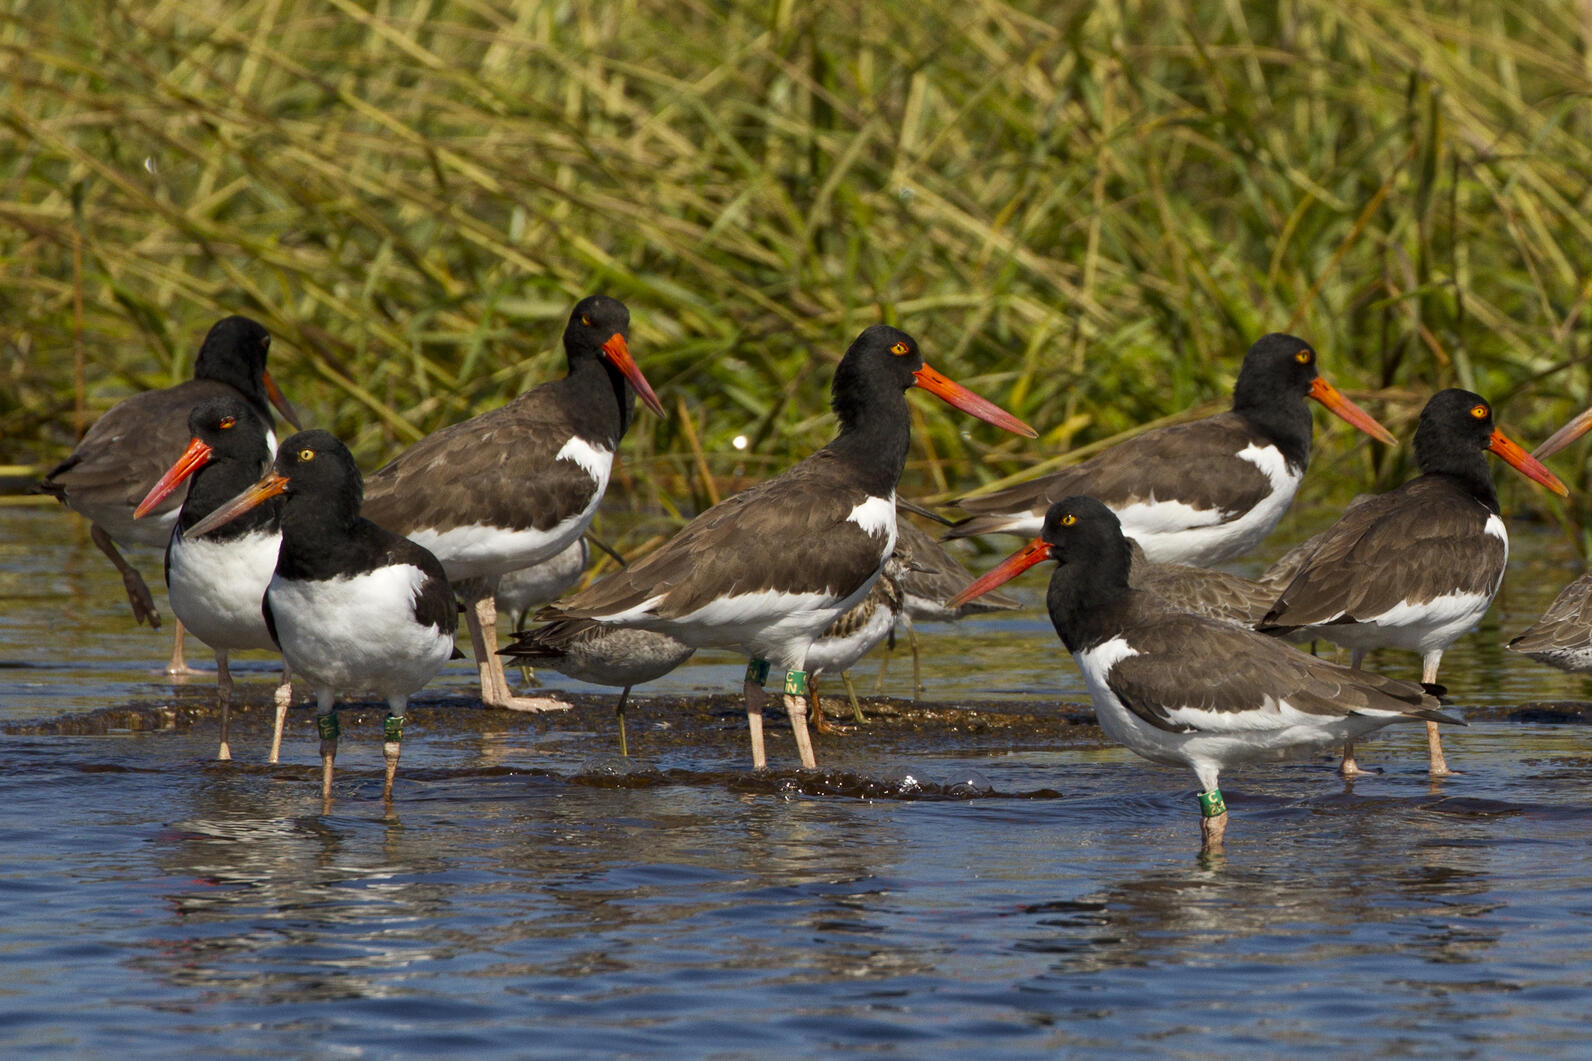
877 516
596 460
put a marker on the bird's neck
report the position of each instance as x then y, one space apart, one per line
1086 601
1283 420
874 438
220 481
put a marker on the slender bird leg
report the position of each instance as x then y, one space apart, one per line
392 733
756 675
917 663
480 611
283 698
1349 768
326 723
815 709
1213 819
1436 765
624 746
224 697
851 691
178 664
137 593
884 664
796 708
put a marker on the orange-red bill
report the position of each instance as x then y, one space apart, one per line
618 352
1565 435
1525 463
1003 572
196 456
278 399
1348 412
953 393
267 488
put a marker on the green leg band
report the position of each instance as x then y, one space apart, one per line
392 728
1211 804
757 671
795 683
328 726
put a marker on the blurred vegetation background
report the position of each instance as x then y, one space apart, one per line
1086 211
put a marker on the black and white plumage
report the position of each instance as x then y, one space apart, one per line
216 583
1418 566
1188 690
352 606
768 570
1199 492
518 485
127 450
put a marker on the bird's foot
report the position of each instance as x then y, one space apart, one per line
1351 769
530 704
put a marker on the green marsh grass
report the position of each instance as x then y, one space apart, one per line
1086 211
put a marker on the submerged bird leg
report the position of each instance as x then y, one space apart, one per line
619 711
796 708
480 612
326 724
137 593
283 698
178 664
1436 764
1213 819
224 698
851 691
756 675
392 734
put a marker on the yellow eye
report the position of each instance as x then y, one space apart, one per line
306 454
1068 520
1479 412
227 422
585 320
900 349
1303 357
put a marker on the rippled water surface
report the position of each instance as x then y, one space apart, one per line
984 875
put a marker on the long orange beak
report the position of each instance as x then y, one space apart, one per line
1004 572
1525 463
278 399
267 488
1348 412
1565 435
618 352
196 456
953 393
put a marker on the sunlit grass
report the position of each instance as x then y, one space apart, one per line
1086 211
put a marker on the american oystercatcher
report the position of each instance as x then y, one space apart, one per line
1184 689
352 606
768 570
216 583
128 448
594 652
1418 566
1199 492
515 486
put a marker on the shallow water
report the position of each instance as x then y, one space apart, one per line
998 880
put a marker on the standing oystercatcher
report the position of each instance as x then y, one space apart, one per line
128 448
518 485
216 583
352 606
1418 566
1185 689
1199 492
766 571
